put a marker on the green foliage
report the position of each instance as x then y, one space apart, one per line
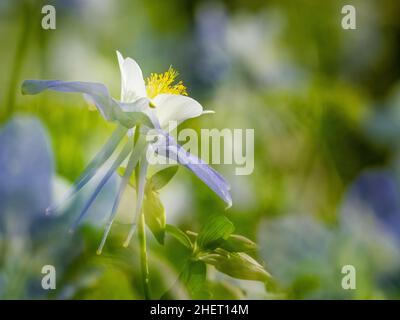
194 276
238 243
162 177
236 264
215 245
179 235
153 208
214 232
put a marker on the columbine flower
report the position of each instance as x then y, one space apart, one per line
147 107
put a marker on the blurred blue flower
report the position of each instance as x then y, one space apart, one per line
26 172
377 193
212 60
28 238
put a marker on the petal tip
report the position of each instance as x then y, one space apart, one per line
125 244
23 88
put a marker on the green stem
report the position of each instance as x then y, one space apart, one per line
144 265
143 255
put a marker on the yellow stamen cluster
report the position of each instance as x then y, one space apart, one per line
163 83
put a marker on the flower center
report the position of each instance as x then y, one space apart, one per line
164 83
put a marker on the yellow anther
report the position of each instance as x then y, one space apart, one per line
163 83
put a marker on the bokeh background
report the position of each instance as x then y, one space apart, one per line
324 103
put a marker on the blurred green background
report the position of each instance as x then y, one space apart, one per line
324 103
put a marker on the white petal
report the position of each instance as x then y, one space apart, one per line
141 105
132 82
175 108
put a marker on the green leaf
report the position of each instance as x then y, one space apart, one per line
179 235
162 177
195 276
236 264
154 214
234 243
214 232
238 243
